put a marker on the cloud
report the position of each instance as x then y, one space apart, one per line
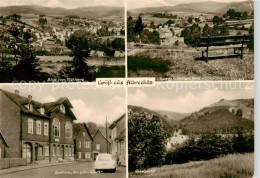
133 4
54 3
97 114
48 99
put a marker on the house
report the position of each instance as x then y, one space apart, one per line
177 139
3 146
101 144
83 142
36 131
118 137
119 54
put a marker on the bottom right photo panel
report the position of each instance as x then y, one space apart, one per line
191 129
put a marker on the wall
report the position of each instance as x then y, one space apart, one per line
10 125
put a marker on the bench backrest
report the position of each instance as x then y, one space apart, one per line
223 40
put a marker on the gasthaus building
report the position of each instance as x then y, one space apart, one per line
36 131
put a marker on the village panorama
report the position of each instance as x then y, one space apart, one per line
52 44
206 40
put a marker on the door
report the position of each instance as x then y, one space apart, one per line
27 152
62 151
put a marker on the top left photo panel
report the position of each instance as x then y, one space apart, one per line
61 40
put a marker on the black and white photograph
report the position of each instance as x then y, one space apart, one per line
202 130
61 40
62 130
190 39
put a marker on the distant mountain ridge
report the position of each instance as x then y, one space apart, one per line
200 7
89 12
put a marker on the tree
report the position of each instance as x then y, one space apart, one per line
217 20
130 29
239 113
139 27
147 140
80 44
42 21
92 127
190 19
118 44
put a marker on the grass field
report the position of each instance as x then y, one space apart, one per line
230 166
184 65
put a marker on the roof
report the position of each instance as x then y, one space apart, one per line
54 106
116 121
121 136
1 135
21 101
101 134
85 126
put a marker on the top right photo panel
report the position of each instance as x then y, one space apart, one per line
187 40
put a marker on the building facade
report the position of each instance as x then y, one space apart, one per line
36 131
101 144
83 142
118 137
3 146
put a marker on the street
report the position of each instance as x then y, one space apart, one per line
82 169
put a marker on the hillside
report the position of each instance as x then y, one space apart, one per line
89 12
171 125
222 116
201 7
172 116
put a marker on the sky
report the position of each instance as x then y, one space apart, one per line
187 98
64 3
89 103
133 4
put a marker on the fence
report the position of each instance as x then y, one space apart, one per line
12 162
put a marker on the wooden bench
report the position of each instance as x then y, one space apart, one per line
224 42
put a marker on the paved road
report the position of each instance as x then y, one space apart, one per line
83 169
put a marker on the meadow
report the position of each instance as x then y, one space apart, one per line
233 165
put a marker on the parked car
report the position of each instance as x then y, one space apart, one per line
105 162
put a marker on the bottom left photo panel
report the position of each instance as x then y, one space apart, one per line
52 130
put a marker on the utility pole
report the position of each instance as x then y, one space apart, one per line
106 134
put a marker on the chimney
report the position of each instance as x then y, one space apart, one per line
16 92
30 97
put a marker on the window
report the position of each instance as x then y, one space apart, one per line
30 125
87 155
42 110
79 144
62 109
30 107
69 151
84 134
98 146
46 128
46 150
79 155
68 130
38 127
56 127
54 150
66 151
87 144
58 150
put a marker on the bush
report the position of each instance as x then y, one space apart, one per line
147 139
113 71
136 63
210 146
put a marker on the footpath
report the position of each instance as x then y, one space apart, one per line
32 166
